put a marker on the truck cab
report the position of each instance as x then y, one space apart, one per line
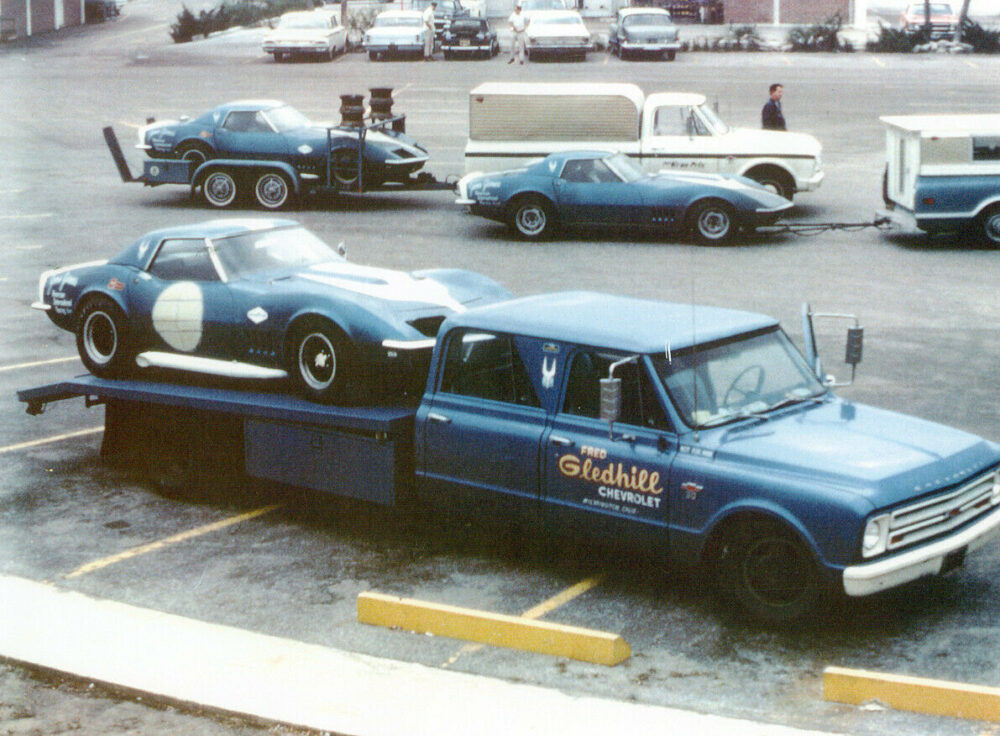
943 173
704 430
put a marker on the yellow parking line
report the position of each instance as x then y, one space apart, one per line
175 539
538 611
917 694
48 440
34 364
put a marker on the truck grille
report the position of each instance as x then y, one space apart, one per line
942 513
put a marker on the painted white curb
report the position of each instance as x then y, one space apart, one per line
303 684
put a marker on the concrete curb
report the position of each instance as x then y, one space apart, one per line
274 679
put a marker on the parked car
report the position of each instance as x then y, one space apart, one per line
470 37
256 299
306 33
943 20
396 33
557 33
448 11
271 130
529 7
603 189
643 31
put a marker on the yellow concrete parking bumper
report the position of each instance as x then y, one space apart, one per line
921 695
512 632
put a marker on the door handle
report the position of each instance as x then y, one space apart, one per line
561 441
440 418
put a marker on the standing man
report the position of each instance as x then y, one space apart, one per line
771 117
429 27
518 25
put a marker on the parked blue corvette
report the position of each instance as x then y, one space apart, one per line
274 131
258 299
602 189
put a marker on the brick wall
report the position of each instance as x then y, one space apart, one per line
796 12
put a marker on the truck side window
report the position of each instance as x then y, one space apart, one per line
487 366
640 405
183 260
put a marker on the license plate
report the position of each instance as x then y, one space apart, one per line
464 42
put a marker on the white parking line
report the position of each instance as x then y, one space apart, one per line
27 217
50 440
34 364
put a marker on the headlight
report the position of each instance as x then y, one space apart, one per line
876 536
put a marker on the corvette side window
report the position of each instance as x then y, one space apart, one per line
487 366
183 260
246 121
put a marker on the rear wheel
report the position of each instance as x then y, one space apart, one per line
532 217
712 222
196 153
988 226
320 361
102 338
219 189
372 56
671 55
272 190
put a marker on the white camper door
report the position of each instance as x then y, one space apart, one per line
903 158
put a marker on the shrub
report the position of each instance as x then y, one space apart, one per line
982 40
185 27
232 14
819 36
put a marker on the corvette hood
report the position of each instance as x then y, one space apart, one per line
881 455
687 180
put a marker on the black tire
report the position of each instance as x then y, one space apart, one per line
273 190
532 217
671 55
102 338
776 180
219 188
712 222
988 226
320 359
345 167
373 56
197 153
769 573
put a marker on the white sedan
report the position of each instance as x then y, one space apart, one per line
558 33
302 33
396 32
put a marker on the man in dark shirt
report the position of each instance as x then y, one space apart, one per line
771 117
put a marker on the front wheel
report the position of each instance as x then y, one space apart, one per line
671 55
219 189
712 222
320 357
272 190
769 573
532 217
774 180
988 227
102 338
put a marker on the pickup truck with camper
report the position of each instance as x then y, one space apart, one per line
943 173
513 123
701 430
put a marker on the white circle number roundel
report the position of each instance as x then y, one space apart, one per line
178 314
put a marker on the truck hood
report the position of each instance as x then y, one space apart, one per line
772 142
881 455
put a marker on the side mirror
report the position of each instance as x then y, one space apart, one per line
611 399
852 353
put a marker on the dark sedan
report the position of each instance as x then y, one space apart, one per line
601 189
470 37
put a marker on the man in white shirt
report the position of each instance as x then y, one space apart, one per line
518 25
429 26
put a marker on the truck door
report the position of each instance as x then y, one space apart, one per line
678 138
483 429
609 478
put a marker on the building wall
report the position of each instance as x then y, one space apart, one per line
795 12
748 11
39 16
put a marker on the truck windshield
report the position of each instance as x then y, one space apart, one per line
268 250
712 118
748 375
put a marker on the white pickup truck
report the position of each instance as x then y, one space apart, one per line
513 123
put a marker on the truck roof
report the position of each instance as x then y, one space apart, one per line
616 322
946 125
552 89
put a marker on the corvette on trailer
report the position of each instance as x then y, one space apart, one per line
257 299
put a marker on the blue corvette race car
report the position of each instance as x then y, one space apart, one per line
258 299
273 131
602 189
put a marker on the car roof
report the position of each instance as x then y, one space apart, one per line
400 14
249 105
221 228
542 14
609 321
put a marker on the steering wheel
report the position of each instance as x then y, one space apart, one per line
741 392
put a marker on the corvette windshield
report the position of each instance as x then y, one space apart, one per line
286 117
744 376
268 250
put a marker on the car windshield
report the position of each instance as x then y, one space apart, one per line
553 20
286 118
268 250
395 20
303 21
542 5
625 167
646 19
744 376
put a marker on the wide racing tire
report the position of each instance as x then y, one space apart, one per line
102 338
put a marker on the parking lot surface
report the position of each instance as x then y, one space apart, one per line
291 564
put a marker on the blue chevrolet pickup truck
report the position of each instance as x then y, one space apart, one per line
703 429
